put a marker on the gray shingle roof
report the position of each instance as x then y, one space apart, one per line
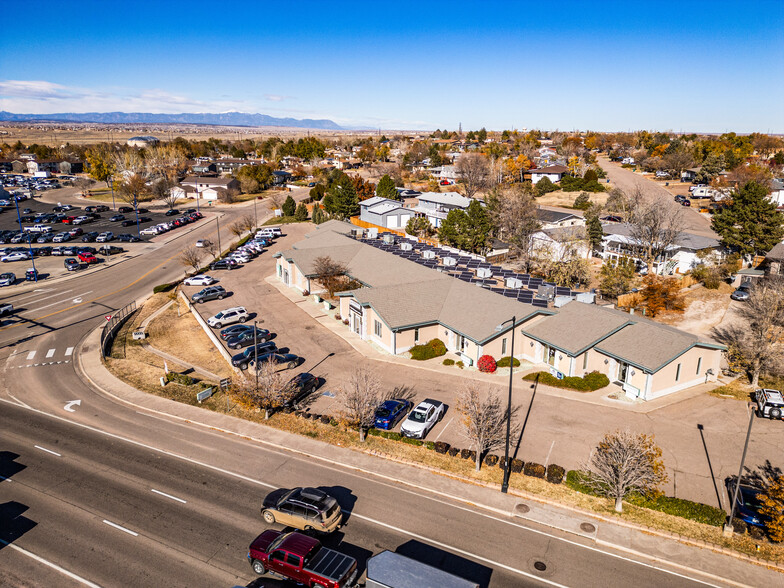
777 253
685 240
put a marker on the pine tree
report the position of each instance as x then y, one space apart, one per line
478 226
386 188
301 214
595 232
751 224
341 199
452 229
289 207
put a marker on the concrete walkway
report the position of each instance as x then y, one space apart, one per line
718 566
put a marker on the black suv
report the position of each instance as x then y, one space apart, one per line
223 264
299 387
209 293
247 337
125 209
241 360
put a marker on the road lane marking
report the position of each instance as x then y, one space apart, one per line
395 482
47 450
68 351
31 355
19 401
168 495
444 429
55 303
50 353
50 564
116 526
45 297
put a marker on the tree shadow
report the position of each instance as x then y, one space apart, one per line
12 524
402 392
762 475
446 562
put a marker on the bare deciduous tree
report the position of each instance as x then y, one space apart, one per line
163 190
483 419
625 462
759 336
513 213
360 399
655 226
236 228
212 248
133 175
248 222
473 169
328 272
191 257
266 388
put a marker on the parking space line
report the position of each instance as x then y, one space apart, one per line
445 428
69 351
50 353
31 355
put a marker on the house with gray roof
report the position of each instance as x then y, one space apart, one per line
401 303
774 261
436 205
679 258
390 214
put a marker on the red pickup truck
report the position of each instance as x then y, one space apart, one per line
301 558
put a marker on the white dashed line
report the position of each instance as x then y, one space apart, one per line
47 450
116 526
68 351
31 355
168 495
50 353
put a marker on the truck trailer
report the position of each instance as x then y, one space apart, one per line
392 570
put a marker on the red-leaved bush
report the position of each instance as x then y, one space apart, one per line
486 364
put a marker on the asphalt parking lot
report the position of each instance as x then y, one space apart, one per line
325 354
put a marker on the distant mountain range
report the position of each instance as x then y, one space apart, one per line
234 119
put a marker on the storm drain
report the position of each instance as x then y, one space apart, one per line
540 566
521 508
588 527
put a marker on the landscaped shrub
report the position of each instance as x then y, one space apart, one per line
468 454
516 465
179 378
411 441
337 316
448 361
739 526
442 447
305 293
756 533
504 362
575 480
345 321
162 288
431 349
453 451
460 364
486 364
326 419
491 460
430 445
501 463
555 473
535 470
589 383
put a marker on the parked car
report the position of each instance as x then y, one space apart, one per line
743 292
72 264
31 274
390 412
229 332
245 358
105 237
423 418
128 223
90 237
171 212
300 387
209 293
202 280
748 505
248 337
770 403
110 250
307 509
75 232
101 208
6 309
236 314
15 256
80 220
285 361
7 279
125 209
226 264
43 251
203 243
117 218
61 237
87 257
302 559
127 238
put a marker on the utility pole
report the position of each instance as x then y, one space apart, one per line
728 528
29 240
217 224
256 351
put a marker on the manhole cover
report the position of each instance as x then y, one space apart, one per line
540 566
587 527
522 508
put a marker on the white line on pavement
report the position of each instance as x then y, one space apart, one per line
116 526
47 450
19 401
444 429
68 351
31 355
69 300
50 353
44 298
48 563
168 495
396 483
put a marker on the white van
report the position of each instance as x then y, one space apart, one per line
269 232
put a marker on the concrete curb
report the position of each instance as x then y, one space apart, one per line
208 331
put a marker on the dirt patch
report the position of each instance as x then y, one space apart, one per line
566 199
738 389
704 310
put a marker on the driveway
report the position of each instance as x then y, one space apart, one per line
558 427
627 180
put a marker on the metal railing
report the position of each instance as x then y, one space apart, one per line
113 325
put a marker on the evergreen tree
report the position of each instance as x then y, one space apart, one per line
301 214
616 277
318 215
453 228
544 186
595 231
289 207
341 199
477 229
386 188
751 224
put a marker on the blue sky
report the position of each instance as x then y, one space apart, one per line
709 66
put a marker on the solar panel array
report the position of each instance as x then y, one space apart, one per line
466 267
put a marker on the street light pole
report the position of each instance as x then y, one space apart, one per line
111 184
505 483
256 352
728 528
217 224
29 241
255 214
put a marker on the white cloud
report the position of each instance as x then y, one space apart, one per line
276 97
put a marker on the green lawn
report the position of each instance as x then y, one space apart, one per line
283 220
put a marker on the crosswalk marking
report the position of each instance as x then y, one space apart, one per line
69 351
50 353
31 355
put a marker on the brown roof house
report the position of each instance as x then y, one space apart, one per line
402 303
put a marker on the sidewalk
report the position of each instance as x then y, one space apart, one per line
501 376
718 566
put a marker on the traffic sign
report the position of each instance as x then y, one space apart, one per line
108 317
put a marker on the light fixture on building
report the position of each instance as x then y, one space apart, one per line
634 373
606 361
560 357
532 343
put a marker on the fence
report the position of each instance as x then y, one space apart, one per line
111 327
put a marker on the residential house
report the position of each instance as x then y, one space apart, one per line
774 261
402 303
280 177
55 166
384 212
436 205
208 188
445 172
777 193
554 173
679 258
231 165
204 168
561 243
689 175
551 218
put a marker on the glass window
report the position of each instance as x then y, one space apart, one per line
416 335
377 328
678 372
299 510
292 560
699 365
585 360
278 555
503 346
